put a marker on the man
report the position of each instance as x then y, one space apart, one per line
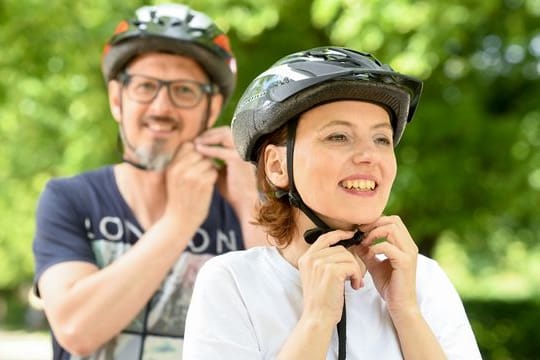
117 249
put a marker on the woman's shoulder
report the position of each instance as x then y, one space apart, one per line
428 266
242 269
430 273
241 260
425 262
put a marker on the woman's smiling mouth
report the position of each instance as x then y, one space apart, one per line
359 184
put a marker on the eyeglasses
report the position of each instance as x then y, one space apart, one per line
182 93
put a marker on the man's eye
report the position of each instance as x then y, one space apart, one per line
183 90
146 86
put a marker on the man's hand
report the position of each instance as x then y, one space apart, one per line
236 179
190 182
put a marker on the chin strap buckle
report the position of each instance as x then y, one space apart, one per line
312 235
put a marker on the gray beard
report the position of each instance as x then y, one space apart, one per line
154 157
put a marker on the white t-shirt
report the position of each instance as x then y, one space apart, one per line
245 304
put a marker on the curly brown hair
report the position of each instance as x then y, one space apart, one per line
275 214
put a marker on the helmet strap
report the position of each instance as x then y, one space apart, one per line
294 197
311 235
205 124
321 228
119 147
122 138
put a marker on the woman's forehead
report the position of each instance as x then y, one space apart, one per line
346 113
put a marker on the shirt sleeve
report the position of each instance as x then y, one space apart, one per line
60 233
444 312
218 325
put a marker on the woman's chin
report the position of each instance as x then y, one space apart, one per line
350 220
352 223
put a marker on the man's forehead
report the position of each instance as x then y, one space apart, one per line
167 63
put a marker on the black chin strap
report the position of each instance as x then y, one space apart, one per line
121 139
342 333
295 199
135 164
312 235
321 228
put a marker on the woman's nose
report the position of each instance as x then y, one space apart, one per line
363 153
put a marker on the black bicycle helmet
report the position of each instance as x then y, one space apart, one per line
301 81
305 79
176 29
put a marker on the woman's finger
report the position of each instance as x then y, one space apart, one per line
330 238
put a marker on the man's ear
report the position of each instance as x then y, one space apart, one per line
216 102
275 165
115 99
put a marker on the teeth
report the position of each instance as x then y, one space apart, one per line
361 184
160 127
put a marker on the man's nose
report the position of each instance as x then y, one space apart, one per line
162 100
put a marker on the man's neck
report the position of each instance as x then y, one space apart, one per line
144 191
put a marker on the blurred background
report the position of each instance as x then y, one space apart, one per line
468 183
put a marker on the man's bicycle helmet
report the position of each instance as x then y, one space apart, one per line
303 80
176 29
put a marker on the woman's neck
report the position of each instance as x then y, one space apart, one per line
298 245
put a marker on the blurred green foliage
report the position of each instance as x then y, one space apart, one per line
506 330
469 164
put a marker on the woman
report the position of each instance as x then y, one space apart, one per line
342 278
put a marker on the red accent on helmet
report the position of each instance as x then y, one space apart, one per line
222 41
121 27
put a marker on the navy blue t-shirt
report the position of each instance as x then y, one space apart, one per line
85 218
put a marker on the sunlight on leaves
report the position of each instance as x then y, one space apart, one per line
323 12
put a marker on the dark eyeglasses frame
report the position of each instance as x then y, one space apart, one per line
206 89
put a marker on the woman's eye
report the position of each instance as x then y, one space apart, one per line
383 140
337 137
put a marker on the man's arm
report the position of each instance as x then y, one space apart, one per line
86 306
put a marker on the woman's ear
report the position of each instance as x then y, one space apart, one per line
115 101
275 165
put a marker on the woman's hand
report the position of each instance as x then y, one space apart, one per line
394 274
323 271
